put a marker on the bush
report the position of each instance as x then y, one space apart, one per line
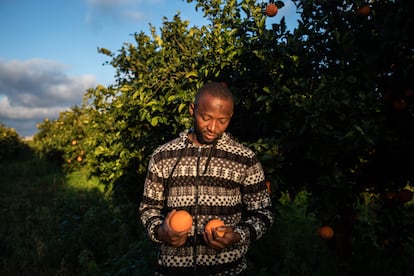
292 246
9 142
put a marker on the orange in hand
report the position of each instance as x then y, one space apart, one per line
213 224
181 221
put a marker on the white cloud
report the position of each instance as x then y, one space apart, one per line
10 112
134 16
113 3
34 89
120 10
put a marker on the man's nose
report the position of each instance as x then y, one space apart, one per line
212 126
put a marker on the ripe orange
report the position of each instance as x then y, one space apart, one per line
271 10
74 142
400 104
268 186
181 221
213 223
391 195
405 195
409 92
326 232
79 158
364 10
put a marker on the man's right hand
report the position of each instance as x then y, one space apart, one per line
168 235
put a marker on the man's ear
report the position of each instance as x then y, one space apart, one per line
191 109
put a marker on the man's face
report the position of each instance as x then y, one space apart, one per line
211 118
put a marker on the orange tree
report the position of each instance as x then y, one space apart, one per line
62 140
349 123
155 81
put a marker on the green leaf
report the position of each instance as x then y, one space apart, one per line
154 121
192 74
181 107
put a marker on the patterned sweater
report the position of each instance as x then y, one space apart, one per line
224 181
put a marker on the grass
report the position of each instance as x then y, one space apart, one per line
58 224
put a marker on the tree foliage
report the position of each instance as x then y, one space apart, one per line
9 142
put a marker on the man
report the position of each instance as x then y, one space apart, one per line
209 174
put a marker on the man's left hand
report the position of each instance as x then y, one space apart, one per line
214 240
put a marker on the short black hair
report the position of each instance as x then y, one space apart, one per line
215 89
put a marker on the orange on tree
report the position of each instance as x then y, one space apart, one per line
74 142
271 9
79 158
214 223
326 232
405 195
399 104
268 186
391 195
181 220
364 10
409 92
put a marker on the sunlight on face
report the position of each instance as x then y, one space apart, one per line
212 116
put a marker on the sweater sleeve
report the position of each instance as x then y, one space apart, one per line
257 212
150 208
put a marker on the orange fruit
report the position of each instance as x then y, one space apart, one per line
405 195
268 186
213 223
271 10
400 104
79 158
409 92
364 10
326 232
74 142
391 195
181 221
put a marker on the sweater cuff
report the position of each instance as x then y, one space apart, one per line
244 234
153 232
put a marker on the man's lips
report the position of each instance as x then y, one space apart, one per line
210 136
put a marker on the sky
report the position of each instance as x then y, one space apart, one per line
49 56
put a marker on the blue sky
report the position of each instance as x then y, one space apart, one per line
48 49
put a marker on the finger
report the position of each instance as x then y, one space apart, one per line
207 236
167 221
178 240
168 217
213 240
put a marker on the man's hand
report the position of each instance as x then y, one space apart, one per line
168 235
213 240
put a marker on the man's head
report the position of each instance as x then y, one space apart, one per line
212 111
